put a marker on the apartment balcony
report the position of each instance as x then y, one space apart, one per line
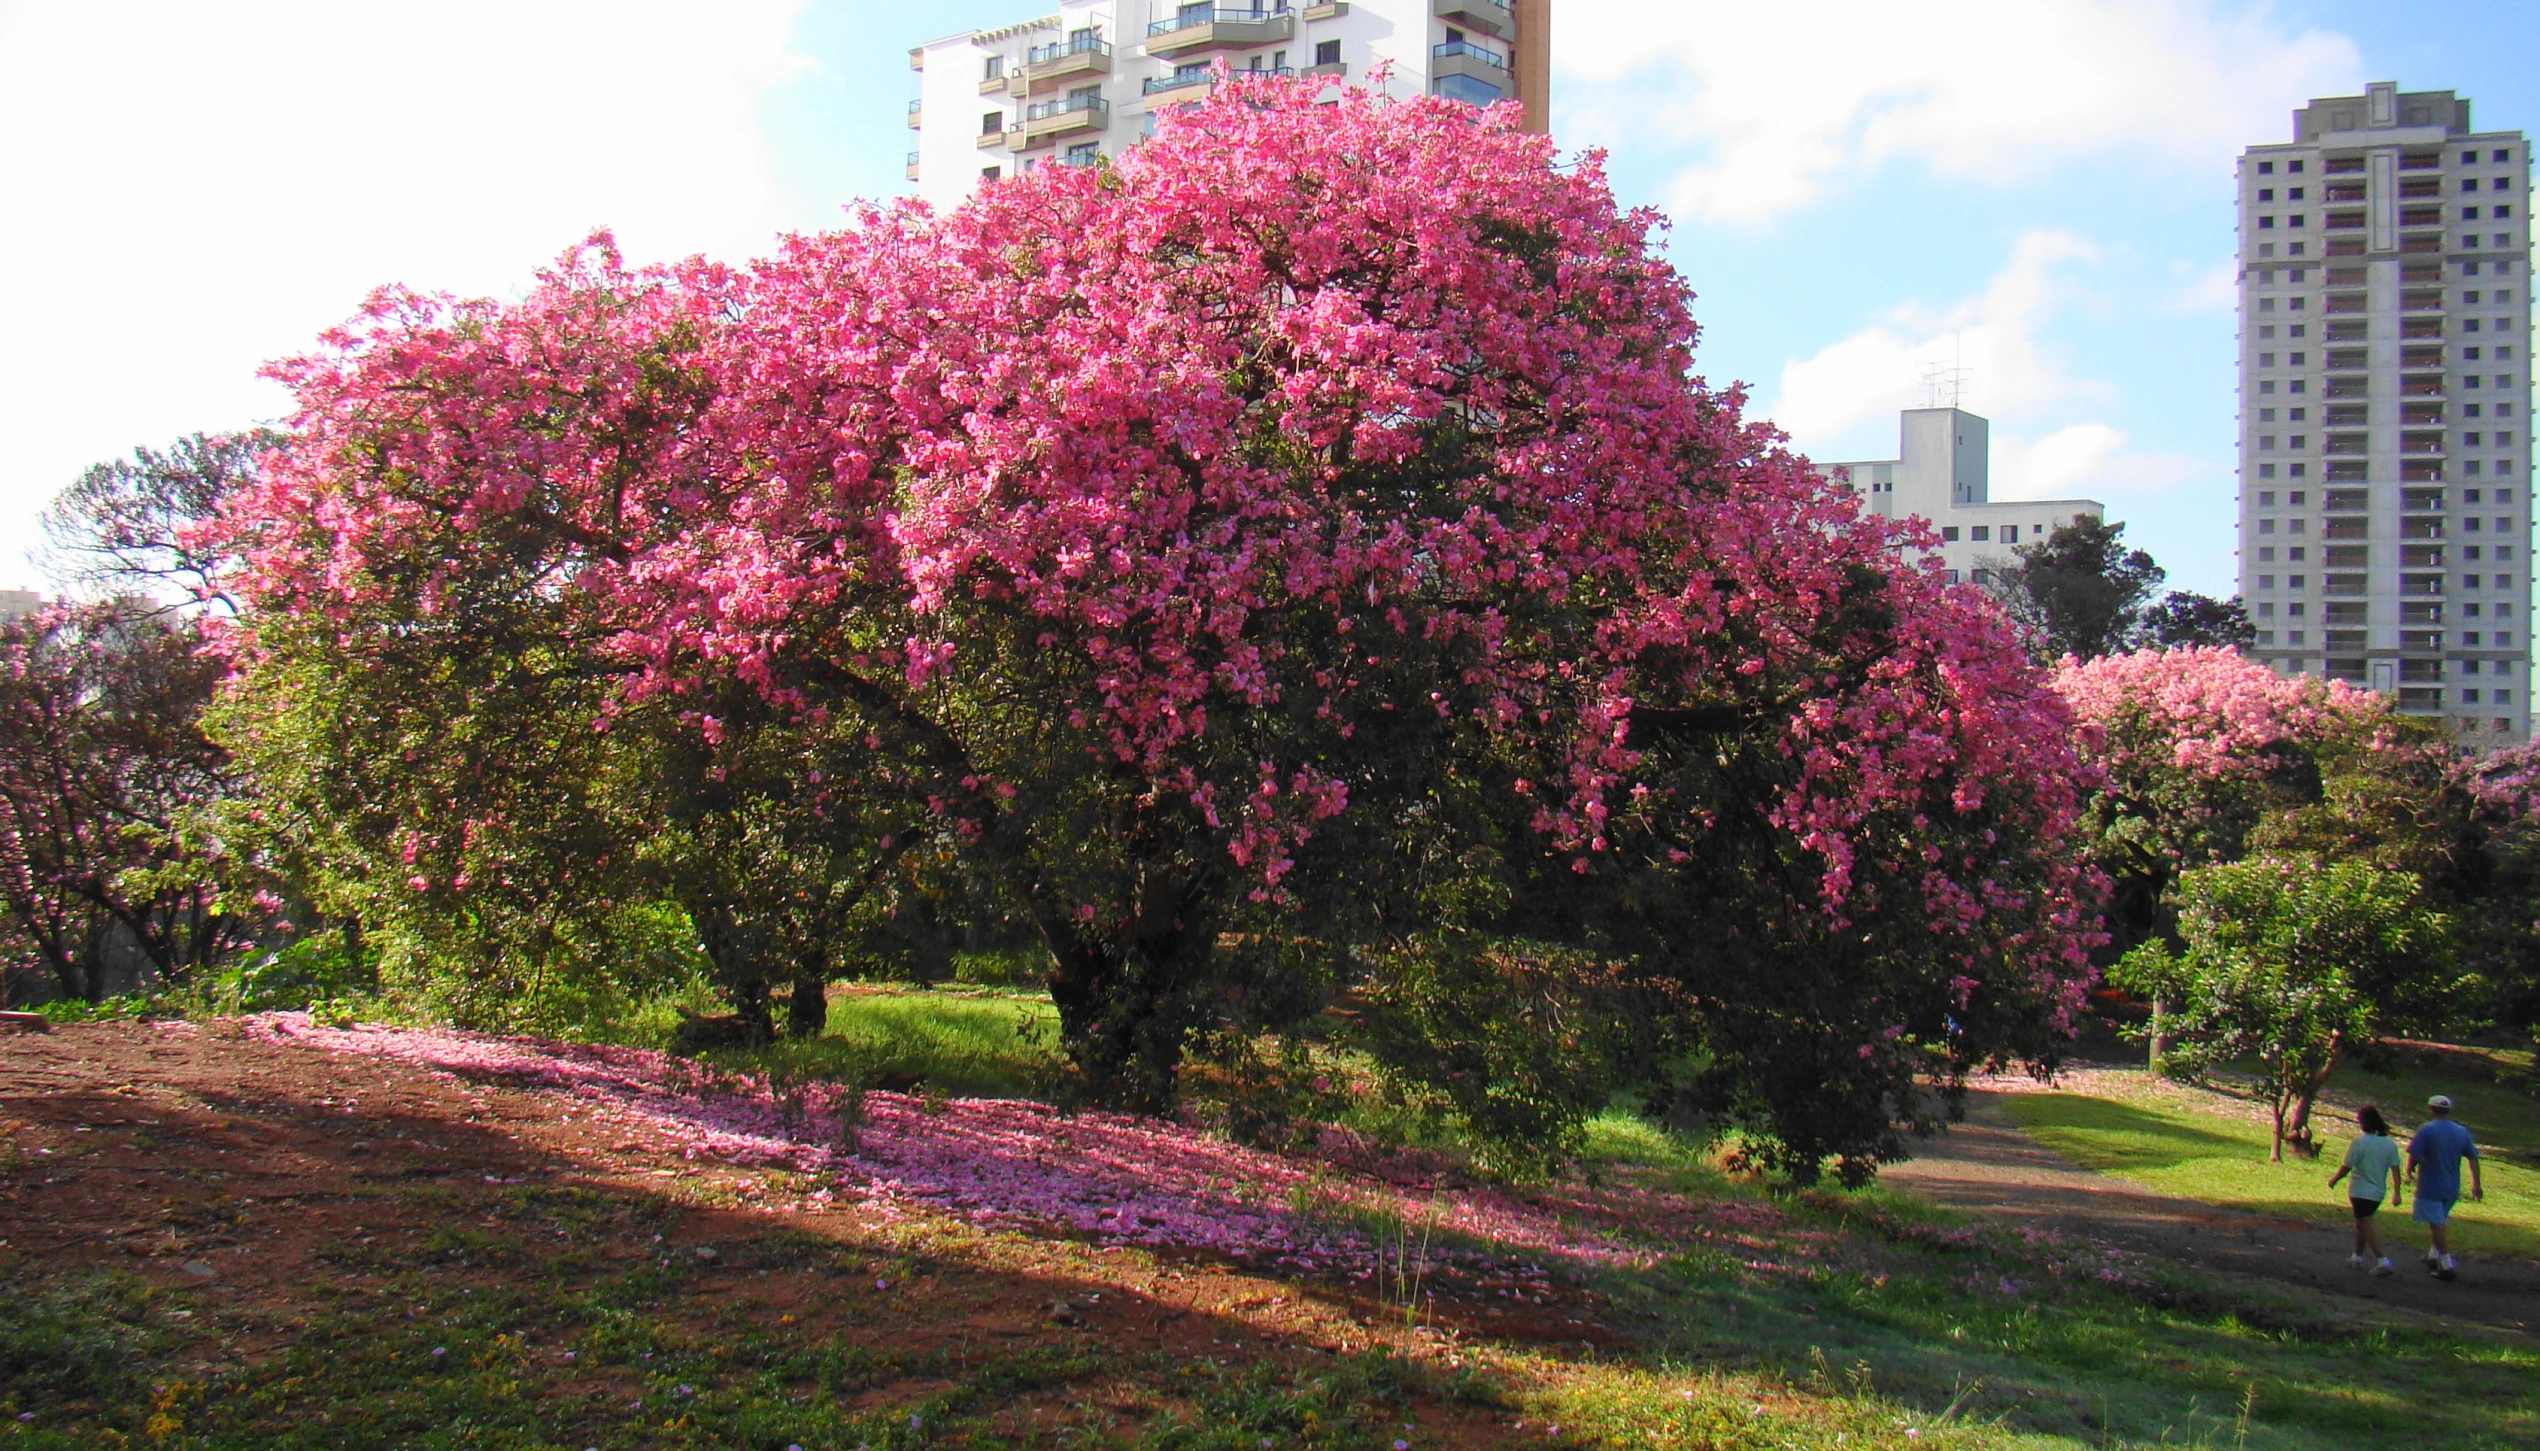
2420 186
2420 217
2343 166
1464 58
2349 556
2420 639
2345 471
2423 300
2345 584
1047 120
1086 157
1065 62
2338 501
1334 69
2416 499
1325 10
2349 191
2418 528
2351 443
2421 413
1178 81
2346 529
1487 16
2343 221
2420 584
916 114
995 138
2420 327
2348 415
1203 28
2348 330
2420 443
2421 556
2347 388
2422 161
2420 357
2349 358
2420 243
2344 302
2420 697
2422 386
994 83
2419 672
912 166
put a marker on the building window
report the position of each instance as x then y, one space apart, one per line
1949 533
993 68
991 173
992 123
2469 214
1953 576
2266 224
1981 532
2010 533
1327 52
2266 471
1468 89
2499 214
2267 195
2266 168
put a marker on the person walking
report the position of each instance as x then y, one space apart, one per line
2434 1166
2373 1158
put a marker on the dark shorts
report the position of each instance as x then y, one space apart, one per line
2365 1208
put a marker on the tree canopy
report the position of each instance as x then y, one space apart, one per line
1295 555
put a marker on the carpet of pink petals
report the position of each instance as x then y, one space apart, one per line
1004 1163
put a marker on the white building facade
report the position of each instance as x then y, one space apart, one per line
1069 88
1943 474
2385 389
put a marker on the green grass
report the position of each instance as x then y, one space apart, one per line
963 1042
2212 1146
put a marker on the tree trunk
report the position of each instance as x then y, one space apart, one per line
2160 1038
2276 1155
2299 1130
807 1013
1124 1009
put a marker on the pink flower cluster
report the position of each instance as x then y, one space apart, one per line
1136 443
2204 710
996 1163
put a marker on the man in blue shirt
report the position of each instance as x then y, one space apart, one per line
2434 1163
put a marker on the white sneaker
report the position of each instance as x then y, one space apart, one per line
2355 1261
2383 1268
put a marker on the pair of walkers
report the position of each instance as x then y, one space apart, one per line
2433 1161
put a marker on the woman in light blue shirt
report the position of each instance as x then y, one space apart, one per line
2373 1158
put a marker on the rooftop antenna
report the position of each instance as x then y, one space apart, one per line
1945 387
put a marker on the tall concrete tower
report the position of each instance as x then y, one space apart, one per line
2385 390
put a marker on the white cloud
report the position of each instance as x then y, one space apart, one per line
2214 289
1992 336
1793 100
2086 460
194 188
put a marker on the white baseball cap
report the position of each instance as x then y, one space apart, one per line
2438 1101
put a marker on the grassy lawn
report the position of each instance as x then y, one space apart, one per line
682 1305
2211 1145
962 1042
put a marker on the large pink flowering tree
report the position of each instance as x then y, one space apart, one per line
1297 549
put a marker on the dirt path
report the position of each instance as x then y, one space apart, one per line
1988 1166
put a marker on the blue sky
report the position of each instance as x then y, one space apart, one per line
2039 189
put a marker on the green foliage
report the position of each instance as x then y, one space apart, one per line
2081 592
2288 962
1523 1042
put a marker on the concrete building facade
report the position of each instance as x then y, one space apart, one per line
1943 473
2385 388
1069 88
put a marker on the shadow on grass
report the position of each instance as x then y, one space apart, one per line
2103 1133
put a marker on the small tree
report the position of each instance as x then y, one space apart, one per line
2081 592
2288 960
102 763
2184 617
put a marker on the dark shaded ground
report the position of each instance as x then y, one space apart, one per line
1987 1166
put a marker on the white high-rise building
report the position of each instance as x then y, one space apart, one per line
2385 391
1943 473
1069 88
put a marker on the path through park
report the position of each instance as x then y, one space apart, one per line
1988 1166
